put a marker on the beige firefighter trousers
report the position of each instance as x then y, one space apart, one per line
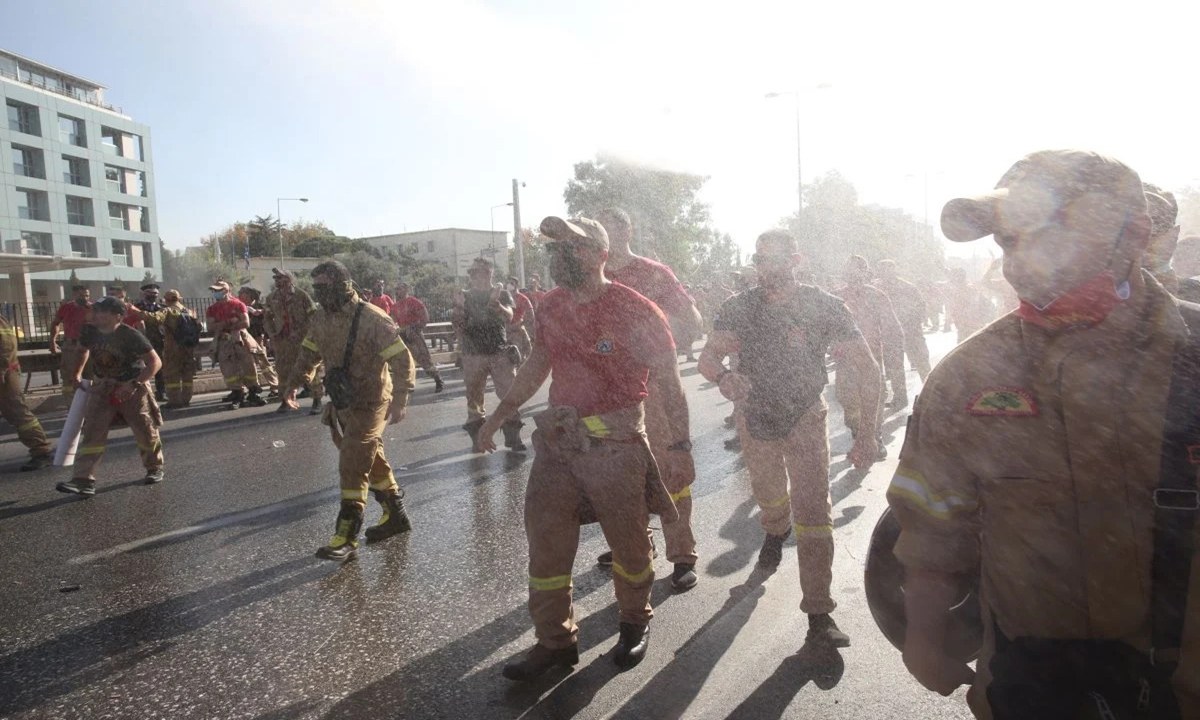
790 481
358 434
476 369
14 410
139 411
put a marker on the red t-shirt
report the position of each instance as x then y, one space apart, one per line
656 281
600 351
384 302
535 297
225 310
523 303
409 311
72 315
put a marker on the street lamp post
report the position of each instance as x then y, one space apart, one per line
493 235
799 154
279 219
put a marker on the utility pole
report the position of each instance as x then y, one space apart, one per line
517 239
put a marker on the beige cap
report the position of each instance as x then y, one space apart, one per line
1092 189
582 231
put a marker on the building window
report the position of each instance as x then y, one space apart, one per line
77 172
28 162
121 144
117 218
32 205
79 211
35 243
23 118
131 254
429 246
114 178
144 221
70 131
413 248
83 246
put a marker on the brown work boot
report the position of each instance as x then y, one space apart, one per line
512 435
344 544
824 632
541 659
631 645
37 462
394 520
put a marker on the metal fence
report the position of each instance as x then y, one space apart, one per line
32 320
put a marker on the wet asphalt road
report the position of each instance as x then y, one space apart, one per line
200 597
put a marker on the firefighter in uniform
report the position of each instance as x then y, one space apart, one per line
286 318
123 363
228 321
910 311
873 314
179 361
1033 456
151 326
71 317
658 283
365 396
411 317
604 344
12 404
782 331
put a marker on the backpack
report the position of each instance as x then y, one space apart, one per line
187 332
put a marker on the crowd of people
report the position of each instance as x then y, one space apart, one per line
1053 455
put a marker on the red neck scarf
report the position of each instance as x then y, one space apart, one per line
1083 307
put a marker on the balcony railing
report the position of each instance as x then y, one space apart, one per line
61 91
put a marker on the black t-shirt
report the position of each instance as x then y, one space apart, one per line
483 332
115 355
782 350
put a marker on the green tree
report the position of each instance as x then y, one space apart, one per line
669 223
262 233
835 225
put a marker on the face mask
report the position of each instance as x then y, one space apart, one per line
218 294
333 295
81 303
1085 306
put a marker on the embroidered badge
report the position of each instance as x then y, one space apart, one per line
604 347
1007 402
1194 454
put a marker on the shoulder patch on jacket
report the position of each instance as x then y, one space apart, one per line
1008 402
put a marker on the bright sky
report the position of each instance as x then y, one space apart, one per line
406 115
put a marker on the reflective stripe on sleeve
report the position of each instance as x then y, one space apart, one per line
911 487
393 350
29 425
558 582
684 493
308 344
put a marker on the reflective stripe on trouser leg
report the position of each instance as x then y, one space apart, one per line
361 450
475 372
680 540
613 477
552 529
807 458
97 417
768 479
136 411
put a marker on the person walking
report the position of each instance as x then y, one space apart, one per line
12 404
411 315
228 321
286 316
71 317
603 345
369 376
782 331
123 364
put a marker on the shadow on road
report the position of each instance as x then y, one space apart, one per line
821 666
90 655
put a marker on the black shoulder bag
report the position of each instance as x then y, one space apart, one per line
337 379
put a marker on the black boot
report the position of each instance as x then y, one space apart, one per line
824 632
438 385
539 661
512 435
394 520
771 552
631 645
316 406
344 544
236 398
472 428
254 399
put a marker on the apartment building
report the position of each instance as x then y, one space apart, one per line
76 186
455 248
